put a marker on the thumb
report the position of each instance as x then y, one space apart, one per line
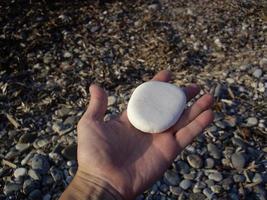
98 103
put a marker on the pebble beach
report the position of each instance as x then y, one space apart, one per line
51 51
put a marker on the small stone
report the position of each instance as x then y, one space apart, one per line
227 183
11 188
176 190
209 163
252 121
257 73
185 184
257 178
209 182
20 172
61 128
35 194
239 178
154 6
30 185
72 171
171 178
216 176
34 174
216 188
220 124
239 142
111 100
27 158
196 196
190 176
238 160
69 179
70 152
39 162
21 147
263 63
46 197
47 180
56 174
182 167
71 163
67 54
195 161
214 151
95 29
208 193
41 143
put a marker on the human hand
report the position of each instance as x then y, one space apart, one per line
126 158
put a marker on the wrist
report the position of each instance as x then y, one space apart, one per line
89 187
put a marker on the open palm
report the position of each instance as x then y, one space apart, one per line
126 158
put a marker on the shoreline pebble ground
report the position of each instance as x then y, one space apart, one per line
50 52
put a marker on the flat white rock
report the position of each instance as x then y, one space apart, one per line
155 106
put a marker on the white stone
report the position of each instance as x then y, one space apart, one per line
20 172
155 106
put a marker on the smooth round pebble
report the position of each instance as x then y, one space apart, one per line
155 106
185 184
238 160
195 161
216 176
20 172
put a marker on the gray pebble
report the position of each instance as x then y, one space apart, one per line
216 189
39 162
182 167
46 197
34 174
257 178
185 184
41 143
171 178
195 161
35 194
163 188
11 188
209 182
196 196
111 100
252 121
72 171
238 160
21 147
69 179
263 63
56 174
209 163
216 176
238 142
190 176
176 190
257 73
227 183
27 158
208 193
238 178
61 128
214 151
221 124
30 185
19 172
